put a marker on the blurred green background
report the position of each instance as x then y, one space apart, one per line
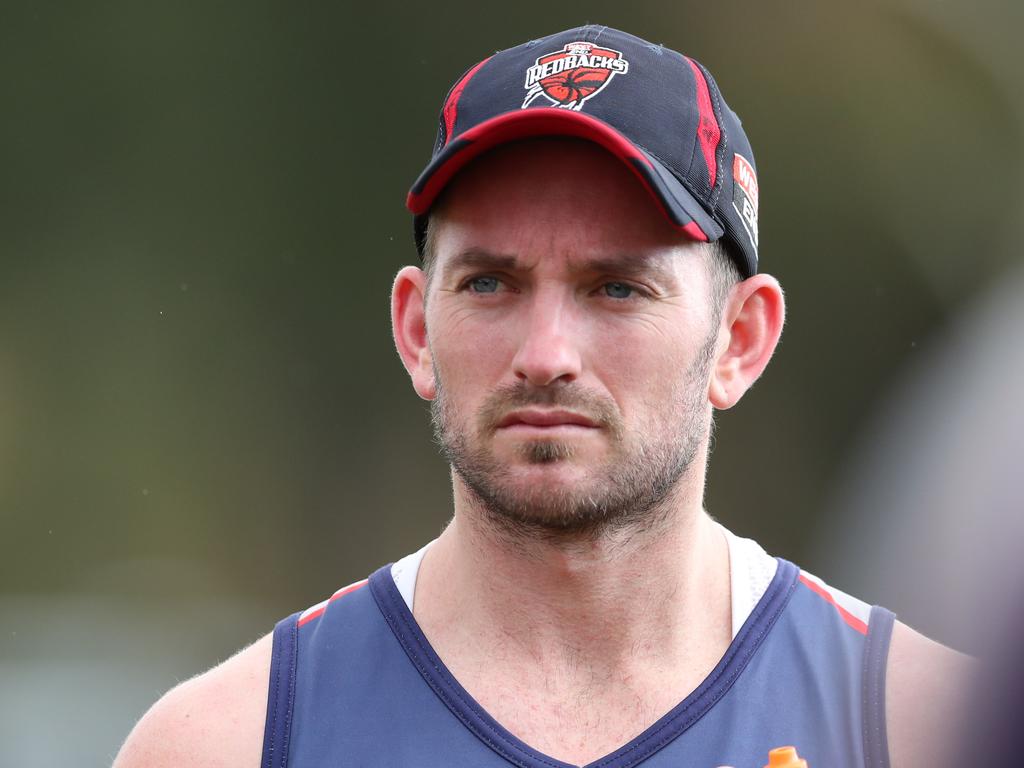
203 423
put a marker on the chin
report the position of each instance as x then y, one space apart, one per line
538 481
547 452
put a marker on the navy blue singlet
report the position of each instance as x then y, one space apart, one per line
355 683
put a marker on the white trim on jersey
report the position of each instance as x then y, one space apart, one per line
405 571
751 570
856 608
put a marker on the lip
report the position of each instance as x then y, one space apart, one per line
532 417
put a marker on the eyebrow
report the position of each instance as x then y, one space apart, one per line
478 258
630 265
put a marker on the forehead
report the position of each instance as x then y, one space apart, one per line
547 197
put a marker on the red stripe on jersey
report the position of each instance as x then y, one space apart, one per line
848 617
340 593
451 105
708 132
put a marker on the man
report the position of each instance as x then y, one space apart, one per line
589 293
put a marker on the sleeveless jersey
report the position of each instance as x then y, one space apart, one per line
354 682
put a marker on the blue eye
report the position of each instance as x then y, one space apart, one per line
618 290
484 284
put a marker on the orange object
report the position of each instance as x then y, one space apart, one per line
785 757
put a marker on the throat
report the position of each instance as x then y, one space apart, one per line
577 655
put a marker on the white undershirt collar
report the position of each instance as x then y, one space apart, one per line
751 570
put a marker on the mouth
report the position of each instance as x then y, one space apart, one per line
543 419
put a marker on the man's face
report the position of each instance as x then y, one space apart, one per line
571 335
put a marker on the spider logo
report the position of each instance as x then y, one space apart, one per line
569 77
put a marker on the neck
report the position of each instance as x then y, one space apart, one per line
616 597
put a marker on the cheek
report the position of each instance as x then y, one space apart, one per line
644 373
636 350
470 361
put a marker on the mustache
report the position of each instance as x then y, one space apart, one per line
510 397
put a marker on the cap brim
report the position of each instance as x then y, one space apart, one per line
675 202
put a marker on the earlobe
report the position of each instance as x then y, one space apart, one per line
408 325
752 323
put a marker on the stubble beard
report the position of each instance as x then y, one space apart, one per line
630 490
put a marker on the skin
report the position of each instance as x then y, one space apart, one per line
609 344
530 594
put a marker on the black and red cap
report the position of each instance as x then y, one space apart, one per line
658 111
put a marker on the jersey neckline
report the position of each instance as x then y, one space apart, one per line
667 728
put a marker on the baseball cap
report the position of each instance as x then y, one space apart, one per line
658 111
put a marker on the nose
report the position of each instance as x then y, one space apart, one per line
549 350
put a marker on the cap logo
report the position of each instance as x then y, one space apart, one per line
567 78
744 196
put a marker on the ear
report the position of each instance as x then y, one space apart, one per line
408 324
752 322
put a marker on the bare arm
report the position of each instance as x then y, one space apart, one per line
214 720
927 686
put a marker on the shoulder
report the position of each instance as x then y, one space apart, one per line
213 720
926 687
